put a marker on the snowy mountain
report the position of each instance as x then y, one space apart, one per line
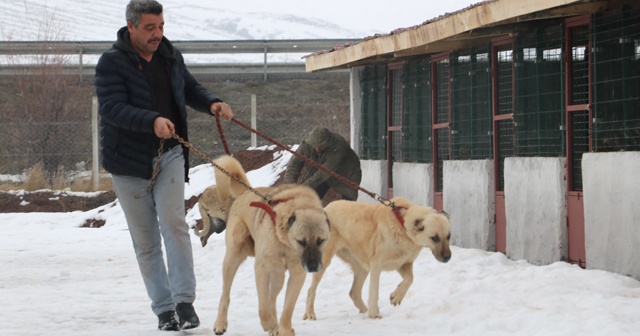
221 20
185 20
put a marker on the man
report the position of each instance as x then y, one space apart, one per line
143 86
333 152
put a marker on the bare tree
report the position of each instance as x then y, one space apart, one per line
47 100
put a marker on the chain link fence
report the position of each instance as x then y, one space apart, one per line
287 107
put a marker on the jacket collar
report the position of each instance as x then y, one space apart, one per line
165 50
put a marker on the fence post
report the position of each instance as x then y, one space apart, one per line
254 122
95 165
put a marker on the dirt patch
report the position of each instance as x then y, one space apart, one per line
53 201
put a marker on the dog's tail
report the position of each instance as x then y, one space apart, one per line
209 193
233 180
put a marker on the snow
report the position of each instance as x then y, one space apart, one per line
59 279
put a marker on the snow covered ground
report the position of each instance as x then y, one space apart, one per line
59 279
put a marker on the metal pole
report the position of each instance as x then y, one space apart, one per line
254 120
265 64
95 165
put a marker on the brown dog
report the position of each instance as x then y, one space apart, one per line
288 234
373 238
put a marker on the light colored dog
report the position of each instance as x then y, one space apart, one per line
373 238
288 233
216 200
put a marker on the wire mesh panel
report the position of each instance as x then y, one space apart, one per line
504 70
395 118
579 145
397 87
443 154
539 111
505 147
373 90
416 125
616 122
579 65
443 77
471 103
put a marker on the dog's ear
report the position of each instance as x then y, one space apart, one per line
290 221
418 225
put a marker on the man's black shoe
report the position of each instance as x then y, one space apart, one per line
167 321
187 315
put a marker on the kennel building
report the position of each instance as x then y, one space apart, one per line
519 118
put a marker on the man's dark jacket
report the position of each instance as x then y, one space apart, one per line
126 100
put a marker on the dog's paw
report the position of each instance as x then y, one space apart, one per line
283 332
220 328
396 298
374 315
309 316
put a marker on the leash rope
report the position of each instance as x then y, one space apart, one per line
311 162
222 138
266 198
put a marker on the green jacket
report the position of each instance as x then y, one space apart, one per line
338 157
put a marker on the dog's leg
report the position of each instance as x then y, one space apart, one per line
268 317
355 293
234 256
276 282
310 313
374 287
327 255
406 272
294 286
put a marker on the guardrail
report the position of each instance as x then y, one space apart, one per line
186 47
265 47
194 68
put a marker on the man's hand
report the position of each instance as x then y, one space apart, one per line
163 128
221 109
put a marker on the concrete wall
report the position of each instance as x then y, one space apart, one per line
611 186
536 209
468 197
374 179
413 181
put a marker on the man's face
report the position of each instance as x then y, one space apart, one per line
319 149
146 37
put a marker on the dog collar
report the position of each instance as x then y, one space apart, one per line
267 207
397 213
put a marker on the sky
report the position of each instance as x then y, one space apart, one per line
60 279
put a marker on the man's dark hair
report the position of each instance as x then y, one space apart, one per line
136 8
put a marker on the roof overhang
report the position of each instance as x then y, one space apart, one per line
474 25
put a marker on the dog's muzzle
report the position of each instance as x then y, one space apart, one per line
312 259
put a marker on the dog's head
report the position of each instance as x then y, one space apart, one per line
429 228
308 231
303 225
214 212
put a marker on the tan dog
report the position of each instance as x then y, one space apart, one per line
373 238
216 200
290 234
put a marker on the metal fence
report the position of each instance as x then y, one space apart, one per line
68 144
